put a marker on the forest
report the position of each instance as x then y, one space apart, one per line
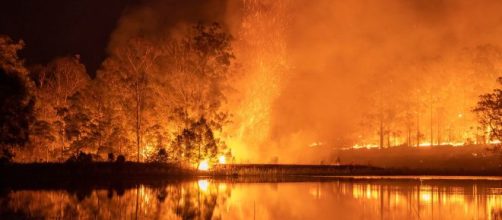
146 103
253 85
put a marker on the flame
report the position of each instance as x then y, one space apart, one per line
222 159
260 42
203 185
367 146
316 144
426 197
203 165
146 151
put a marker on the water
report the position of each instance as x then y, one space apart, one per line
322 198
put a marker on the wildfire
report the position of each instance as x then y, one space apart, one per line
316 144
367 146
222 159
454 144
203 185
204 165
423 144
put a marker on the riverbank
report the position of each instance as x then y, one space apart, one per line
465 157
132 170
94 170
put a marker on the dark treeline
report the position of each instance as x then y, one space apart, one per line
151 100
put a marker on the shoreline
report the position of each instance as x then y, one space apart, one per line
98 170
110 175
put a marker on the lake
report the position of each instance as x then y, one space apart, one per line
318 198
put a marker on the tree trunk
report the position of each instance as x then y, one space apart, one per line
138 118
409 136
381 133
432 124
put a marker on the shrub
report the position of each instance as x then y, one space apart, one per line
6 156
120 159
111 157
80 157
159 157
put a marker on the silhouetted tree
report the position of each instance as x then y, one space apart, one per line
120 159
159 157
489 111
196 143
16 100
111 157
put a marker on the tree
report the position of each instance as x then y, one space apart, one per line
166 85
196 77
196 143
197 71
93 123
489 112
132 66
55 84
42 136
16 99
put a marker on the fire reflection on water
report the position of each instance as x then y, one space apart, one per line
211 199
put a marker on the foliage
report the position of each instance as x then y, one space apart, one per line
55 84
9 59
129 70
6 156
163 89
153 99
489 111
159 157
80 157
15 110
198 71
111 157
196 143
16 100
120 159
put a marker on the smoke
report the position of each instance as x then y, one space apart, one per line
312 69
159 18
343 52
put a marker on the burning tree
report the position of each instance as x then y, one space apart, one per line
152 95
197 74
196 143
166 86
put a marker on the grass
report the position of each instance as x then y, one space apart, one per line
96 172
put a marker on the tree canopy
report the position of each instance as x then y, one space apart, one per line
489 111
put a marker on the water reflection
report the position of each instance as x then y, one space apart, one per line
217 199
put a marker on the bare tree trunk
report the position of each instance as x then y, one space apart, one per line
198 157
388 138
62 139
418 121
100 126
418 129
381 133
409 136
438 132
138 122
432 123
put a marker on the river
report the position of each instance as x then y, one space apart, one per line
322 198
